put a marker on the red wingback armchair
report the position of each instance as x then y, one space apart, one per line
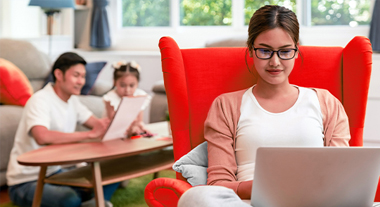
195 77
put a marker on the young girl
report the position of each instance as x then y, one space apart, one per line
126 80
271 113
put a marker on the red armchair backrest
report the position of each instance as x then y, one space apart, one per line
195 77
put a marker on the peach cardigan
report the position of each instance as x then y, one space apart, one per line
220 133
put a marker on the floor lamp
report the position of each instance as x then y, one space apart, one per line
50 7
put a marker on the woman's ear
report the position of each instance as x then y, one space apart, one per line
297 52
250 54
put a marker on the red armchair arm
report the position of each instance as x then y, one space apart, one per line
166 192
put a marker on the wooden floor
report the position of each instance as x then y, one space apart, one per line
4 197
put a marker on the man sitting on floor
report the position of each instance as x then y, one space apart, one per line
50 117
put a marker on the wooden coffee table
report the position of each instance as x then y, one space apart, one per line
109 162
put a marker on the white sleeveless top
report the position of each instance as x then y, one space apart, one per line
115 99
300 125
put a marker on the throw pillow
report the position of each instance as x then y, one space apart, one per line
15 88
92 71
193 165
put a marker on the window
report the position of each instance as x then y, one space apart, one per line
176 13
145 13
252 5
340 12
205 12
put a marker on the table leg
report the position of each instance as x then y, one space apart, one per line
155 175
97 182
40 187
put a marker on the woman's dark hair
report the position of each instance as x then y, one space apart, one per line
65 61
270 17
124 70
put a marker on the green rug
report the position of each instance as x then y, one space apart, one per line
133 194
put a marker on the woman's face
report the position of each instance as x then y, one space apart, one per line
126 85
273 71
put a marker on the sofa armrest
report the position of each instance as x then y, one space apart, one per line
159 87
10 117
165 191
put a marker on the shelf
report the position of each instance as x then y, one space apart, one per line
117 170
81 7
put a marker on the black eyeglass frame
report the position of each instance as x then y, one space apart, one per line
275 51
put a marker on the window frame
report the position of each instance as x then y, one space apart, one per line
237 20
175 18
237 27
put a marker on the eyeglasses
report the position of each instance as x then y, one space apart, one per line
283 54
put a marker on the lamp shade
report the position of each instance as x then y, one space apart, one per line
52 4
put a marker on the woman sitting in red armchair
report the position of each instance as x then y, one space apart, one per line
271 113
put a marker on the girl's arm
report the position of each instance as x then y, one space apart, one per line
110 110
139 118
138 126
140 122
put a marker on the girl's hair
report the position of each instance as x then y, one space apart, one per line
126 69
270 17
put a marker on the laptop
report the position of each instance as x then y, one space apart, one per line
315 177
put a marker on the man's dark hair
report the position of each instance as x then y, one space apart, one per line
65 61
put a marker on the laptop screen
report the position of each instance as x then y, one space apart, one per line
320 176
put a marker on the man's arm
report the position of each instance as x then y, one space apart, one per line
96 123
44 136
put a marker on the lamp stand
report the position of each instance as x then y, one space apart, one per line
50 15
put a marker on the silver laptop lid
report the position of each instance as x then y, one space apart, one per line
308 177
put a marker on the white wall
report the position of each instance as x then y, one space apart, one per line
372 121
19 20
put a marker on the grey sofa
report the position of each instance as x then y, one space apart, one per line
36 67
159 103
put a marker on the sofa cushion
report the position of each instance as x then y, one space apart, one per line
15 88
34 64
95 104
92 71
